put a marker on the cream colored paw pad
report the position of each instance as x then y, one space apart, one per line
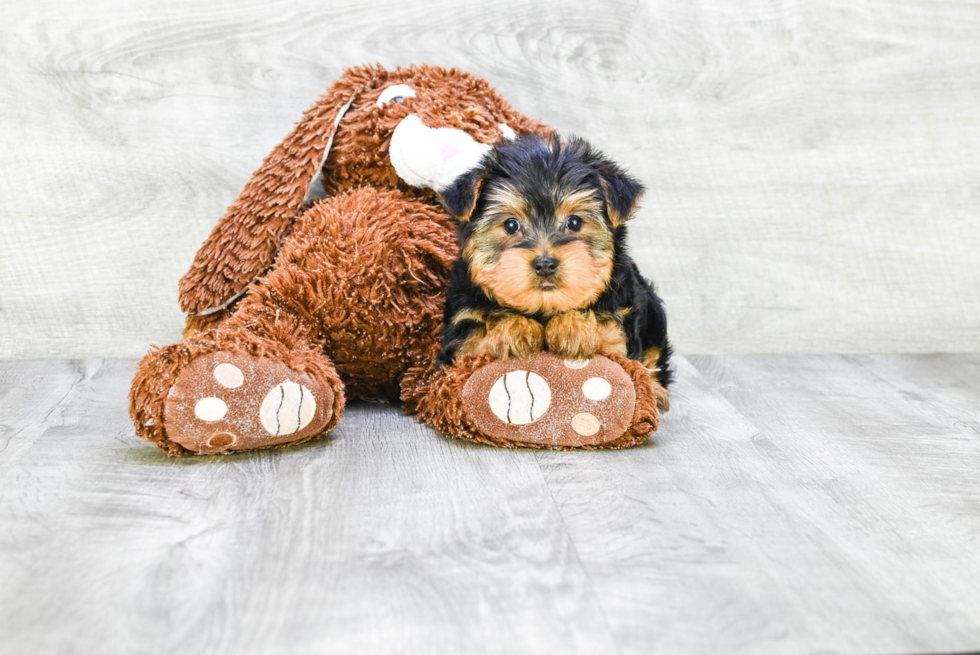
596 389
585 424
210 409
287 408
229 375
520 397
577 363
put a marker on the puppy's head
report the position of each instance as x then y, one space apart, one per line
540 220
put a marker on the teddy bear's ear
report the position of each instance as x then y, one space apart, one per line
243 244
460 197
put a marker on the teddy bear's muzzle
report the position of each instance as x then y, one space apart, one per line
432 157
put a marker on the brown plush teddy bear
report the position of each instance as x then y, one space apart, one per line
326 280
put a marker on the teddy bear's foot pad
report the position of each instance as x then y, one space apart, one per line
549 401
224 402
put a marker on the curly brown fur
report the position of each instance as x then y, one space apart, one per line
373 299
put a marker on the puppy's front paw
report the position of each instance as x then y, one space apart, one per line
573 335
513 336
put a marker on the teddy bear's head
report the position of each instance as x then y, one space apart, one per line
415 128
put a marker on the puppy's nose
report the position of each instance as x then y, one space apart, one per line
545 265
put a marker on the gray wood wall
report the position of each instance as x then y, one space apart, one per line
814 166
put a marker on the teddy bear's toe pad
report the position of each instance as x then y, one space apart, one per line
550 401
224 402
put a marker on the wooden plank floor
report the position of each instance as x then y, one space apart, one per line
789 504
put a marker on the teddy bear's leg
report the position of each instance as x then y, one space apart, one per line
543 401
257 380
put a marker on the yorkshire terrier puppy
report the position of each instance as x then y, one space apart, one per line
543 260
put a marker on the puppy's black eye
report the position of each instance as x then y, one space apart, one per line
574 223
512 225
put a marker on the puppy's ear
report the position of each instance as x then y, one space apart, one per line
621 190
460 197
